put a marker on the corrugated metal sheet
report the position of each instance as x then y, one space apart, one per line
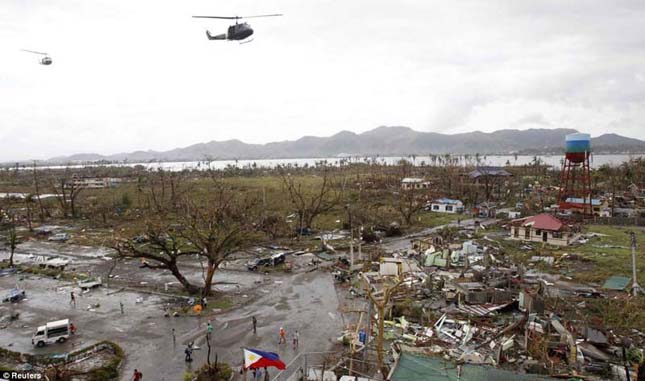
616 283
411 367
474 310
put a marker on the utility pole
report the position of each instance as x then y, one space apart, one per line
636 288
360 242
351 235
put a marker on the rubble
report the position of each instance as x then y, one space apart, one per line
479 307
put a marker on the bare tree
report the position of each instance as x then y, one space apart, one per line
66 191
310 203
216 227
164 249
13 240
36 178
212 228
29 200
162 191
409 202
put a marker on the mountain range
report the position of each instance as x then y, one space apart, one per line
383 141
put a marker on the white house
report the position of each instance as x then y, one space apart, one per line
447 205
414 183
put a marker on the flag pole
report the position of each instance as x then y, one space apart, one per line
243 365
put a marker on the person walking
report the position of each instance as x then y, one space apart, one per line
189 352
209 329
296 339
255 325
121 305
137 376
174 339
283 336
72 298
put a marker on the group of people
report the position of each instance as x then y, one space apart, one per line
282 334
294 340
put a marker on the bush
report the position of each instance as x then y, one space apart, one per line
214 372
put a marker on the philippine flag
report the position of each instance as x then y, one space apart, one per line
254 359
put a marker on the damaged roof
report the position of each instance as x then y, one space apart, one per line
489 171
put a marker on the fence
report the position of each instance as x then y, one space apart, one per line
302 363
625 221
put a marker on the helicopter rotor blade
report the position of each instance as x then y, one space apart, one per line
33 51
252 17
217 17
236 17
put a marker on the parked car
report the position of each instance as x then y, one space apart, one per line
55 331
256 263
14 295
274 260
59 237
141 238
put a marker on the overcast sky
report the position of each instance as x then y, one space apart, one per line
131 75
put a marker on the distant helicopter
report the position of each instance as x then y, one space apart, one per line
46 60
237 32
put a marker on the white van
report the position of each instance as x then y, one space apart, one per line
51 332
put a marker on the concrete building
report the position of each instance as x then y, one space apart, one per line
490 172
542 228
93 182
414 183
446 205
598 206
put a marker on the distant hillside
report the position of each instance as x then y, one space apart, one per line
384 141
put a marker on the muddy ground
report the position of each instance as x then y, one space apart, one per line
304 301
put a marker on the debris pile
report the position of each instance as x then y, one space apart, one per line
469 303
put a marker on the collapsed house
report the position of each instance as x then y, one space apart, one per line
480 316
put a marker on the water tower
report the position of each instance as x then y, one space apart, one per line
575 178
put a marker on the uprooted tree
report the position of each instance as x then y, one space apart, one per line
209 227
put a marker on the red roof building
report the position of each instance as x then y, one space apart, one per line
542 228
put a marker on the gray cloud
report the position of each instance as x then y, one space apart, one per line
531 120
126 78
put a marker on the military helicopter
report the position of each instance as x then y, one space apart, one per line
46 60
237 32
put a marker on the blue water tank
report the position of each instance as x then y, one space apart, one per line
578 143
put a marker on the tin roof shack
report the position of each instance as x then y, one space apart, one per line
398 267
472 292
597 206
542 228
486 209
